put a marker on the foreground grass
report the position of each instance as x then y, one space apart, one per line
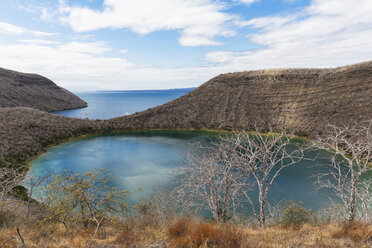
145 232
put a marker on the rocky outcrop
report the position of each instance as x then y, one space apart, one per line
300 100
34 91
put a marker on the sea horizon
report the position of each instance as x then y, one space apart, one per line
107 104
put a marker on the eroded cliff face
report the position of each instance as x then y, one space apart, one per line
294 99
34 91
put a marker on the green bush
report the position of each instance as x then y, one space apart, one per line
295 215
20 192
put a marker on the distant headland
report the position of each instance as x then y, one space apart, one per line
34 91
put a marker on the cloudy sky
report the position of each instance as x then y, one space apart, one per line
158 44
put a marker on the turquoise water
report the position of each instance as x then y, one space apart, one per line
109 104
146 160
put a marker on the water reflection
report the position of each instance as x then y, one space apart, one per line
145 160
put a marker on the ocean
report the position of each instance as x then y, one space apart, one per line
109 104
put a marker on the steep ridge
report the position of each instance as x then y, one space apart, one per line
300 100
30 90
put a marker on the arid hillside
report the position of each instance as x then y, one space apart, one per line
300 100
25 132
34 91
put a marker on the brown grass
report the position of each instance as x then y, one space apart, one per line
186 233
192 233
126 238
356 231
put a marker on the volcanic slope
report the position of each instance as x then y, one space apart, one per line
31 90
300 100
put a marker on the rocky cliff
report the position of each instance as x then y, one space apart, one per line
34 91
300 100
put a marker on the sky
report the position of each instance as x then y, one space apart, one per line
86 45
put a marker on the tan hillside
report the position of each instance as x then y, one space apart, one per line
25 132
30 90
296 99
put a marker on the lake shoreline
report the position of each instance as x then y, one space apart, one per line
157 131
145 158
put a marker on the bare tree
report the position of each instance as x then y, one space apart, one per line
165 203
221 174
263 157
364 197
210 179
89 197
10 178
86 196
349 149
35 183
19 239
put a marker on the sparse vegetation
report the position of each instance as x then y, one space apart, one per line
81 210
22 89
219 176
349 151
82 199
194 233
77 214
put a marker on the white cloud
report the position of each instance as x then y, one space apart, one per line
45 34
270 22
199 21
46 14
123 51
41 42
80 69
6 28
87 47
67 65
324 34
248 1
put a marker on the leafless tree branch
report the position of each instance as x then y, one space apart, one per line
349 152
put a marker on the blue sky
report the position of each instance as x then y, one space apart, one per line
157 44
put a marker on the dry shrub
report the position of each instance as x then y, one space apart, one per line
356 231
7 218
38 237
295 215
186 233
179 229
126 238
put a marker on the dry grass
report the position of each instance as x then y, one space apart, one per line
186 233
194 233
306 236
356 231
